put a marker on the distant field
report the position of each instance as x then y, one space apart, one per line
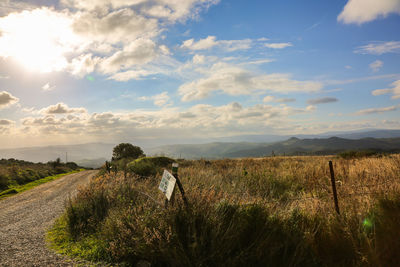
275 211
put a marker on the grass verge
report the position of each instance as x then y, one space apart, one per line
21 188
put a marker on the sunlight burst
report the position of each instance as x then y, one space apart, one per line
38 39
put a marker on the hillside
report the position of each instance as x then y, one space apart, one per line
292 146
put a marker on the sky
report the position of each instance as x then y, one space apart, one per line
161 71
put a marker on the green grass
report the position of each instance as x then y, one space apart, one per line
21 188
89 247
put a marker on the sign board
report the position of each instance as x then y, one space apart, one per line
167 184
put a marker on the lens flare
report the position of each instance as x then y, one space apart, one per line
367 223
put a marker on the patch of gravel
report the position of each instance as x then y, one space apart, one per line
25 218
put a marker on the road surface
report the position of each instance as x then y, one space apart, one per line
25 217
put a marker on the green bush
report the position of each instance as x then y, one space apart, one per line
149 166
143 168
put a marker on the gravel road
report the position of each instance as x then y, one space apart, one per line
25 217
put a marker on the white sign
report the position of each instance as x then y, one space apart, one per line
167 184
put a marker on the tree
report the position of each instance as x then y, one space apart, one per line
126 150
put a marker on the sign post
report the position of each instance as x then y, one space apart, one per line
335 198
167 184
175 173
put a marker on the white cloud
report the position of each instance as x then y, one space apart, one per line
159 100
362 11
211 41
84 64
195 121
138 52
181 10
376 110
278 45
48 87
395 90
233 80
95 4
379 48
198 59
61 108
376 65
124 25
171 10
269 98
130 75
165 50
7 99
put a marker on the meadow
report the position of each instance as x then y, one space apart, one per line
275 211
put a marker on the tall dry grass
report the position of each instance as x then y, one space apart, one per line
274 211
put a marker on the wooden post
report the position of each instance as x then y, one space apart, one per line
335 199
175 174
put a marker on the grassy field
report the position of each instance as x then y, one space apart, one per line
275 211
16 173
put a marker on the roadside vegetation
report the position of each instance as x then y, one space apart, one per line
19 175
275 211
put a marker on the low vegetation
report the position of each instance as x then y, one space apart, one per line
275 211
16 173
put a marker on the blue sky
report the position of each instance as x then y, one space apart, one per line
152 71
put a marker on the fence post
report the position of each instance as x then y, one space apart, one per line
175 174
335 199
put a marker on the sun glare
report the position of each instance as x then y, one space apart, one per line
37 39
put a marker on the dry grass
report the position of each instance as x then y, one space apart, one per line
301 182
274 211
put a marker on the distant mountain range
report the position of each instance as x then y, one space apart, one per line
94 154
292 146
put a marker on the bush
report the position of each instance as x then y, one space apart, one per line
149 166
143 168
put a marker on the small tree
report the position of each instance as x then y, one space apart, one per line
126 150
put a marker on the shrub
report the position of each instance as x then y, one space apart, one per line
143 168
149 166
